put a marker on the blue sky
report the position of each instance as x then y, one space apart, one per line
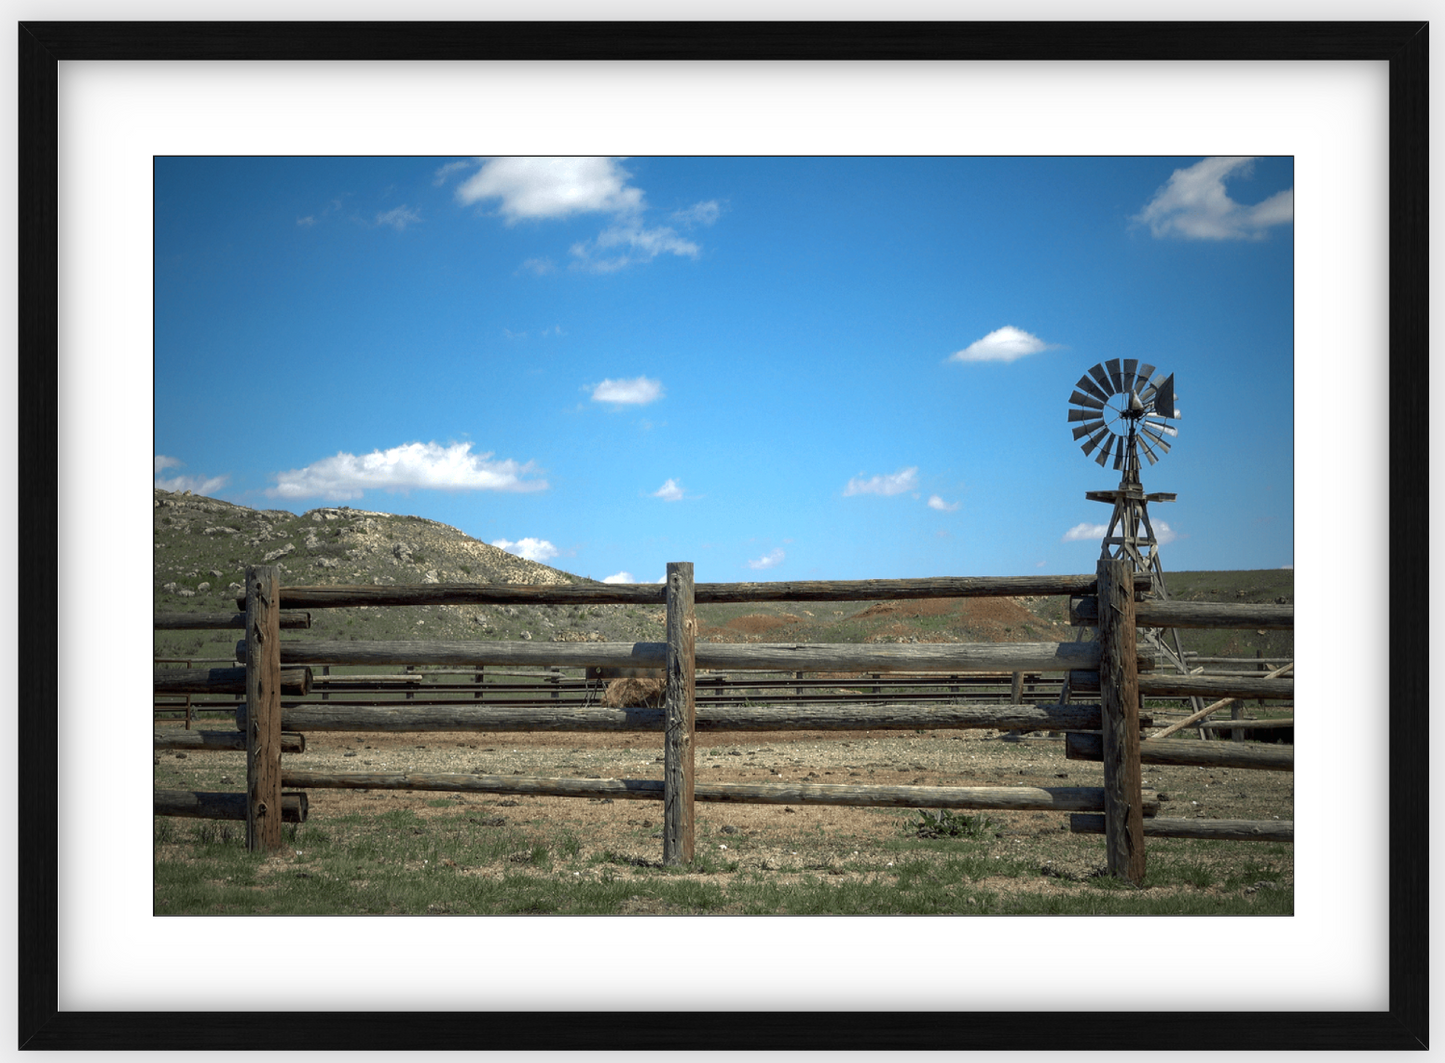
777 368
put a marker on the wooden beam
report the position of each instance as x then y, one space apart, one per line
350 595
680 712
1084 612
1004 798
205 621
1189 754
197 805
263 710
1119 698
777 657
1168 684
295 681
467 716
198 741
1194 718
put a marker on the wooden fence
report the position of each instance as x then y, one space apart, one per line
1107 731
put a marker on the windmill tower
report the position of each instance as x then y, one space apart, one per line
1122 408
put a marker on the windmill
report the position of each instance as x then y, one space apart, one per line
1122 409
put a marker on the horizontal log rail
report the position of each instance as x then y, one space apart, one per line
784 657
1004 798
1189 754
1152 612
325 716
1166 684
220 741
350 596
169 681
190 804
1223 830
1247 725
206 621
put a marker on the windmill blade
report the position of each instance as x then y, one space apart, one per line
1153 421
1088 429
1159 440
1119 457
1146 374
1164 397
1116 375
1094 440
1097 372
1078 398
1093 389
1083 415
1131 365
1148 453
1103 457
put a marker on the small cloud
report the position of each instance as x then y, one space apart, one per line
1163 533
1080 532
531 549
1002 345
412 465
531 188
619 577
199 485
399 218
894 484
628 243
772 559
935 502
669 492
636 392
444 173
704 213
538 267
1195 206
306 222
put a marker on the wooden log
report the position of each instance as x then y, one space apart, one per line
1168 684
778 657
1194 718
295 681
1119 698
1241 724
1224 830
679 711
350 595
1006 798
1084 612
229 741
197 805
263 709
1077 716
289 621
1188 754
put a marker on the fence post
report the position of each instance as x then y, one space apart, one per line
680 716
263 708
1119 700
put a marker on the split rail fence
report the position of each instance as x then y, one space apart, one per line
1109 730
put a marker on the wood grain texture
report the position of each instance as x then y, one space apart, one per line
1119 698
1224 830
263 709
1084 612
295 681
190 804
220 741
206 621
1189 754
679 711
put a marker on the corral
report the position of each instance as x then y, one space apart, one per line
905 731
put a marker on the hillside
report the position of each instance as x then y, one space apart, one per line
203 545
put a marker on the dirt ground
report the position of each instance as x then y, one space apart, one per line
778 838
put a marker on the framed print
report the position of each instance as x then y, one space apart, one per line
94 970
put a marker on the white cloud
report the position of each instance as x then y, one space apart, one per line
538 267
636 392
1002 345
936 502
895 484
412 465
200 485
1096 532
307 221
552 187
669 492
444 173
771 559
704 213
632 243
531 549
399 218
619 577
1085 531
1195 206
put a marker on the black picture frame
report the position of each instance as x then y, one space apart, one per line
1404 45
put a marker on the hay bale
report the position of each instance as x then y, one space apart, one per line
635 693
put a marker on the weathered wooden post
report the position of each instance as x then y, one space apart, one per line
263 708
680 715
1119 699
